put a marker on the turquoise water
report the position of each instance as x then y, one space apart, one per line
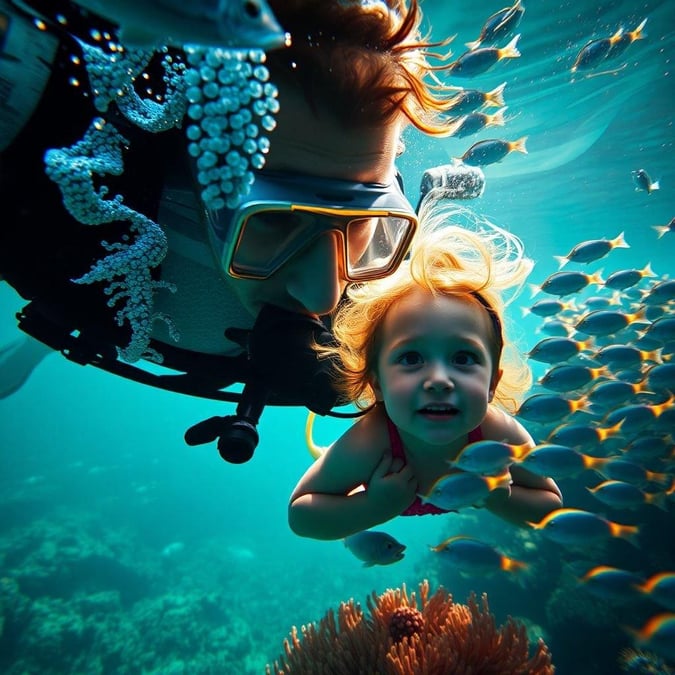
136 552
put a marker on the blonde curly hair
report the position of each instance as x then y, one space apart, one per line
365 61
477 261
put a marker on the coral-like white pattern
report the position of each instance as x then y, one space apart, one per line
228 99
128 267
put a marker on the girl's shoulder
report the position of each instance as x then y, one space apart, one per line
498 425
369 435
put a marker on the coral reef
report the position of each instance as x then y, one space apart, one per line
403 635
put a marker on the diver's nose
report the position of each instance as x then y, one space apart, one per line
315 278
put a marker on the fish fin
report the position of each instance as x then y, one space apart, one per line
519 145
562 260
496 96
497 119
511 49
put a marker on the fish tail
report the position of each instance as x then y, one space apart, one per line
639 33
619 242
511 565
519 145
562 260
473 45
660 229
658 499
653 186
511 49
497 120
496 96
628 532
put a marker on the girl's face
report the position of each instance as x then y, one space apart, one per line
435 372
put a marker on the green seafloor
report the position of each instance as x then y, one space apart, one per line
122 550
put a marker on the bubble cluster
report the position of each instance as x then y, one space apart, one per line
73 169
231 103
112 77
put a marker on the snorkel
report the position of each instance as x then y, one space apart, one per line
281 358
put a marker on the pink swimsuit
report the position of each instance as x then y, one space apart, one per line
418 507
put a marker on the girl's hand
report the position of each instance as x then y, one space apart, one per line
392 486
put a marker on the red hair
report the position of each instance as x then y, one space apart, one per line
364 60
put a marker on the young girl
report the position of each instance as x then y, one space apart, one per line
426 346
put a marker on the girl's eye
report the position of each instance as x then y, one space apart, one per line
465 359
410 359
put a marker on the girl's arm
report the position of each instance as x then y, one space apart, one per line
327 502
531 497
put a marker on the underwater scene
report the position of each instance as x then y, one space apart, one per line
124 550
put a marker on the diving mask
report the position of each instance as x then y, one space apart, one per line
285 213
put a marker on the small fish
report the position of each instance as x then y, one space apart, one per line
492 150
626 471
615 392
625 356
559 461
607 322
636 417
595 52
645 448
474 557
375 548
581 437
567 378
564 283
474 122
499 23
644 182
622 279
549 407
557 349
665 229
662 330
548 307
619 46
661 293
462 489
621 495
660 588
611 583
216 23
489 457
556 328
658 635
469 100
662 377
574 527
588 251
477 61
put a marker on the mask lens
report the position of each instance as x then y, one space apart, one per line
269 238
374 245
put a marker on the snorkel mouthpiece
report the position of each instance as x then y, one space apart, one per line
283 367
281 349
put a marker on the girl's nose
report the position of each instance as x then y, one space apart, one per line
438 379
315 277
